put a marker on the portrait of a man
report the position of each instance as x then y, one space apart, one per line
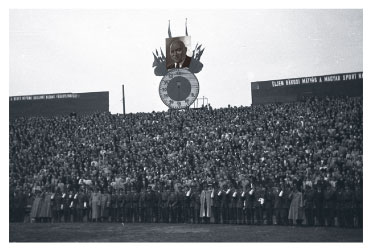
176 52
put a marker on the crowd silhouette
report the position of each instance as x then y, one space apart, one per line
298 163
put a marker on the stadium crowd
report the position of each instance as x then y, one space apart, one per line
293 163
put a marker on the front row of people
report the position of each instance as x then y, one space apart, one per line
282 205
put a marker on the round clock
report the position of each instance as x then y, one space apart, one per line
179 88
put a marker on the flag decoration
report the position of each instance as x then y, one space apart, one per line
169 29
186 27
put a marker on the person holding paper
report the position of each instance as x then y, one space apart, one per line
239 205
249 204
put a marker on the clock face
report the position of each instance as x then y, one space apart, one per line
179 88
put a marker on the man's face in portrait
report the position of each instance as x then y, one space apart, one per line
177 51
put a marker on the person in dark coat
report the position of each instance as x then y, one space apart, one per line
172 205
224 204
79 203
135 205
186 210
233 205
143 205
319 205
348 206
114 206
259 202
120 206
180 205
216 204
56 205
128 197
286 201
195 205
239 206
87 210
66 201
340 206
164 205
149 200
269 204
308 200
329 205
19 205
358 203
157 203
105 205
249 205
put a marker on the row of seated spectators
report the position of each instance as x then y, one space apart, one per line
311 144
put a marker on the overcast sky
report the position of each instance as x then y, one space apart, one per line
59 51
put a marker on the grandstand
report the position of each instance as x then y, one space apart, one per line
258 160
58 104
290 90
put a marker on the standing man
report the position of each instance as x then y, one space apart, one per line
195 205
239 206
259 203
187 204
80 205
329 205
114 206
180 204
269 204
296 205
205 204
308 201
135 205
172 205
95 203
120 206
164 205
249 205
216 203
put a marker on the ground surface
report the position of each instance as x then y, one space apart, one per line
116 232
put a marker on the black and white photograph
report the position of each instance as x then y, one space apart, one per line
179 125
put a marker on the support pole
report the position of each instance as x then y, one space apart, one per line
123 99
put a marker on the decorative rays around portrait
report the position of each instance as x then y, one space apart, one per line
159 63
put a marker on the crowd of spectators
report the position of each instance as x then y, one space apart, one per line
259 164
